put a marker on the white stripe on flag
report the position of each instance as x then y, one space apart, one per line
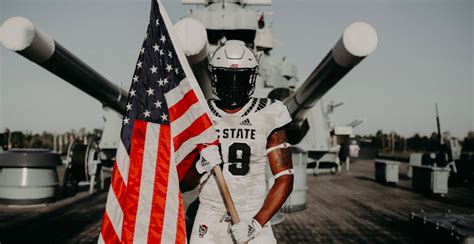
172 204
101 239
187 118
176 94
205 137
114 212
182 59
146 183
123 161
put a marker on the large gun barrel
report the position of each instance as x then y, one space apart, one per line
20 35
358 41
193 39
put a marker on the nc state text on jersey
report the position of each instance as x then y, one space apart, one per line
237 133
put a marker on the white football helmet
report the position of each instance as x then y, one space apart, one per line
233 68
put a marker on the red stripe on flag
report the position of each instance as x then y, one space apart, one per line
134 176
155 229
108 231
181 224
118 186
197 127
186 164
179 108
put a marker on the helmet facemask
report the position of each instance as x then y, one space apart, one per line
233 86
233 68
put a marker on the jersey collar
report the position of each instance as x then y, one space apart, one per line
236 114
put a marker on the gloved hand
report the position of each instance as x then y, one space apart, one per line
210 157
245 230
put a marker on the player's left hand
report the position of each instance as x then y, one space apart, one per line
246 230
210 157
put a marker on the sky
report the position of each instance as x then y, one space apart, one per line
424 56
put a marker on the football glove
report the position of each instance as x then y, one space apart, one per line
210 157
245 230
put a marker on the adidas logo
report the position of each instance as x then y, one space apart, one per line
246 122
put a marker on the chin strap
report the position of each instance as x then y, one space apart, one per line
283 145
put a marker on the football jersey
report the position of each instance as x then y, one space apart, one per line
243 137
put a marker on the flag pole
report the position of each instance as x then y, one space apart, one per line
224 190
222 185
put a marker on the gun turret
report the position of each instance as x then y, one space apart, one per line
193 39
20 35
358 41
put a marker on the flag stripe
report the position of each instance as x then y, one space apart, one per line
181 224
182 106
172 204
114 213
134 176
197 127
122 162
160 186
192 82
118 186
208 136
184 165
176 94
101 239
146 183
184 122
108 233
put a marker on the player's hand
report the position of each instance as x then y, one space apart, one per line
210 157
245 230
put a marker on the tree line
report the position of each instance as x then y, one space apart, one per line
416 143
58 142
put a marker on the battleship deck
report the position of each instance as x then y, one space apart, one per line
349 207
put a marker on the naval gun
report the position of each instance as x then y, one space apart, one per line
357 42
214 21
21 36
84 162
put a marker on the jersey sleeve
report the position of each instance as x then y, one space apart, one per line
279 114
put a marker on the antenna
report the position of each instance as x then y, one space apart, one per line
437 123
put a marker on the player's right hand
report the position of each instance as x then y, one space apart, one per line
245 230
210 157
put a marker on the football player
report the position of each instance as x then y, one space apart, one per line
251 135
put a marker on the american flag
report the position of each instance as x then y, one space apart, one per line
165 123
